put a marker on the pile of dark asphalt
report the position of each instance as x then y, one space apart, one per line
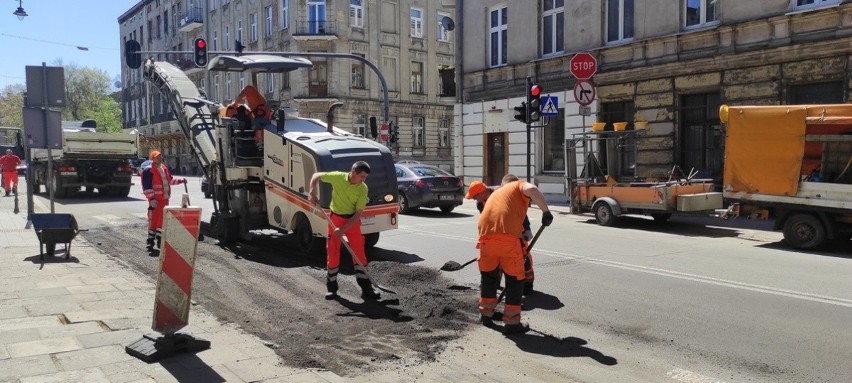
271 290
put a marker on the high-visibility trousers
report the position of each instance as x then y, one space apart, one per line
155 214
9 178
353 235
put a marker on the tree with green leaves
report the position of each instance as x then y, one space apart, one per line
11 105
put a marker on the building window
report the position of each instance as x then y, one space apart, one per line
443 32
316 16
553 27
166 23
820 93
227 36
447 85
159 28
417 128
416 77
228 87
444 133
553 141
240 31
285 10
358 73
389 70
699 12
242 80
621 111
808 4
359 125
215 40
498 40
356 13
217 95
253 27
416 27
267 27
270 83
619 20
702 140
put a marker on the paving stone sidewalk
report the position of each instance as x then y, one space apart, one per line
69 320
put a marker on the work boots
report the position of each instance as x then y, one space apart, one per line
512 329
332 290
150 244
367 291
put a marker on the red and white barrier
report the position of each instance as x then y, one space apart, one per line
177 261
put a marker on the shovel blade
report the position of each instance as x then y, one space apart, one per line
451 266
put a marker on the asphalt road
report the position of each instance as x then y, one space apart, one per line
691 300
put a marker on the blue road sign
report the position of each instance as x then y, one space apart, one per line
550 106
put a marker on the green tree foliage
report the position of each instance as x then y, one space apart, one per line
84 88
87 97
108 115
11 105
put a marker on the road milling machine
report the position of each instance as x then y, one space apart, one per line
257 187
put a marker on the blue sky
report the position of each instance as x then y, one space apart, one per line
54 29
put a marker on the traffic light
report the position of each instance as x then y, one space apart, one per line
200 49
394 132
131 54
521 112
534 98
374 129
238 47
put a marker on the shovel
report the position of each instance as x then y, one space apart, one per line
455 266
354 256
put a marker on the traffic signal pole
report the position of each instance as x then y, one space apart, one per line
529 129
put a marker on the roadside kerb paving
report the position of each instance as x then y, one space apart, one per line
69 320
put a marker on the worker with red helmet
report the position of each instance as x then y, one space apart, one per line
500 250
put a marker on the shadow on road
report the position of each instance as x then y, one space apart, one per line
837 249
537 342
541 300
670 227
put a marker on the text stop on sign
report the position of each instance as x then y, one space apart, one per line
583 65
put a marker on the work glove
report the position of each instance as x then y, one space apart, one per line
528 235
546 218
152 203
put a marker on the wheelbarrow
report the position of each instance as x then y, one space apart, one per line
53 228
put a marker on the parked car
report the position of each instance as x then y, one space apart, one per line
422 185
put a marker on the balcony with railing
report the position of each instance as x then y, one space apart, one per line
315 29
193 18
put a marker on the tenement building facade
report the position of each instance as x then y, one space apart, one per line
670 63
411 42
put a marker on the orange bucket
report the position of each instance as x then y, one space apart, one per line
619 126
598 126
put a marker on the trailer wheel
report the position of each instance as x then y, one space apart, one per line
603 214
804 232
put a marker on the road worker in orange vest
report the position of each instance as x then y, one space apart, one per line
156 185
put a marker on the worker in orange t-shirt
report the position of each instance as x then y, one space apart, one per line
500 232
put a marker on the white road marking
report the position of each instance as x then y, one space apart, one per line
686 376
673 274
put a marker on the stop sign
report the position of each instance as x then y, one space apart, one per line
583 65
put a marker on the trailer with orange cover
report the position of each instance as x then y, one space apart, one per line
791 163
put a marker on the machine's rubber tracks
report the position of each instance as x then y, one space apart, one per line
195 121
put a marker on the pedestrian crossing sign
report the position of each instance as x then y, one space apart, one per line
550 106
